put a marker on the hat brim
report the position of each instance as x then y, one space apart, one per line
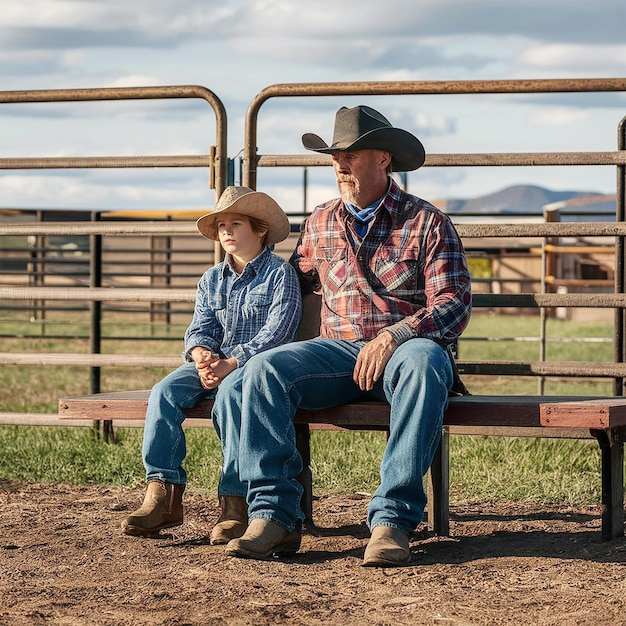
407 151
256 204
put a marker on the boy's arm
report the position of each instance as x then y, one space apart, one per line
204 330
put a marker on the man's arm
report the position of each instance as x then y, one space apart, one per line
447 290
446 313
302 261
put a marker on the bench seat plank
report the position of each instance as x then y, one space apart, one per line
481 411
606 413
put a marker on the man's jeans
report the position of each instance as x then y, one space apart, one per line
261 399
164 447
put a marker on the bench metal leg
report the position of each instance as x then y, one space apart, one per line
439 488
438 481
612 448
305 478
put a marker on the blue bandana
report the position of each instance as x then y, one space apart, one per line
363 216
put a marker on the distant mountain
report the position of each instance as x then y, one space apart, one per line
529 199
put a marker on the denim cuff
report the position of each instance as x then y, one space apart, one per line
187 353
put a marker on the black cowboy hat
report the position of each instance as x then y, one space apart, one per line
362 128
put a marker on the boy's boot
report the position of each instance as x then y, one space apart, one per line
233 520
162 508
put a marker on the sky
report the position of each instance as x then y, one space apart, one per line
238 48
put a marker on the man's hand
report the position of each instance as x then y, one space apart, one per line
370 364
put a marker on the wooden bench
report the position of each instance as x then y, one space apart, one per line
544 416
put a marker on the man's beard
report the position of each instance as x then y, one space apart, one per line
349 189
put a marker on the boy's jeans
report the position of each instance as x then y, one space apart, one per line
262 399
164 446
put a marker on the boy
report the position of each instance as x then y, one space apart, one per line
247 304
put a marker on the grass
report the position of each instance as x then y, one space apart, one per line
504 468
482 468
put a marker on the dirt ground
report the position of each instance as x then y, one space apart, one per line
63 560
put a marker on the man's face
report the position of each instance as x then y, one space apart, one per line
361 175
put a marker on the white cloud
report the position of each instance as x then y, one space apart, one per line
578 59
28 191
134 80
90 191
239 47
50 13
178 16
559 116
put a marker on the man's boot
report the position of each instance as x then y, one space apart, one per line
264 539
162 508
388 547
233 520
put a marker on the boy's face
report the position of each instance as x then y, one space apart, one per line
237 236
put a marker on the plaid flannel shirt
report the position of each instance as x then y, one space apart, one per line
407 276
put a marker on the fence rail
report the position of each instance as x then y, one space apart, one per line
493 159
539 230
519 300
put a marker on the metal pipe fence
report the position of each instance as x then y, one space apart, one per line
169 295
96 295
253 159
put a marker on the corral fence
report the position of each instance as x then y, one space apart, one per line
94 293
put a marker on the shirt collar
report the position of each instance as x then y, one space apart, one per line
394 198
366 214
254 265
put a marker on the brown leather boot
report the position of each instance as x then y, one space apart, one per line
233 520
162 508
388 547
264 539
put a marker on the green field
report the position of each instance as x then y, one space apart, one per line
493 468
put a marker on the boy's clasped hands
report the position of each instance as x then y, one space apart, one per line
211 369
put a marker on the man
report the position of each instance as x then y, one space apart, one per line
395 293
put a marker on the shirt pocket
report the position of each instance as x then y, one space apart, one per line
216 300
400 274
332 268
257 304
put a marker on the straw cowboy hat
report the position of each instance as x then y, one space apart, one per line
246 201
361 128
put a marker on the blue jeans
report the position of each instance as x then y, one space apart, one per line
262 399
164 447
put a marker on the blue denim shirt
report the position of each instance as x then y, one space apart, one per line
240 315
